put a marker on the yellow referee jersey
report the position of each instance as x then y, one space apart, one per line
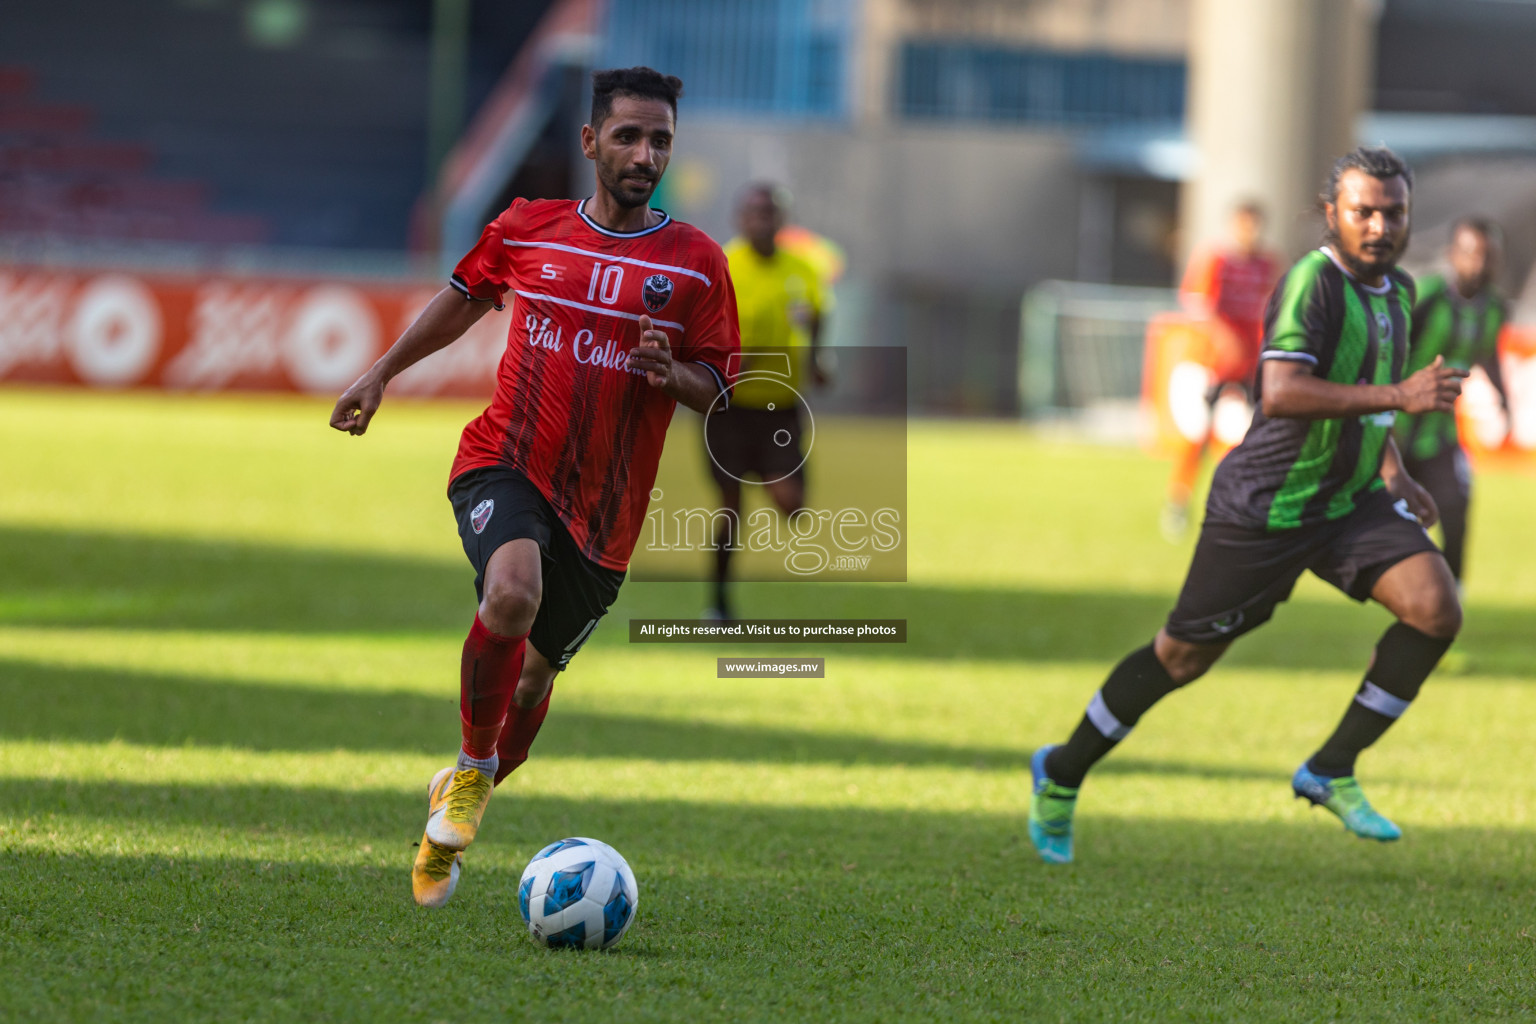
776 299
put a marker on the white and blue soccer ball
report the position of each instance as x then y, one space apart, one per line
578 894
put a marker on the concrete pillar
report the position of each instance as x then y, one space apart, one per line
1275 89
875 60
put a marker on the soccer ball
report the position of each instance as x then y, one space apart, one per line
578 894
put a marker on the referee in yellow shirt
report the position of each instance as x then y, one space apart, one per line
780 300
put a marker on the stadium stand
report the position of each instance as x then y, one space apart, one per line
213 122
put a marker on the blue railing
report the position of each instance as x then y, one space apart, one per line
972 81
776 57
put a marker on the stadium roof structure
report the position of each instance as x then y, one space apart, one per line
1165 152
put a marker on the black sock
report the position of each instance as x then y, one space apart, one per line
722 571
1135 685
1404 659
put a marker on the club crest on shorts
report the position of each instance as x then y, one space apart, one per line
657 292
482 514
1228 623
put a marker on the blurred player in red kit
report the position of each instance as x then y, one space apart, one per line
1227 288
621 312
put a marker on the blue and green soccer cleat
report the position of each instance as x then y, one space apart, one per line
1344 798
1050 813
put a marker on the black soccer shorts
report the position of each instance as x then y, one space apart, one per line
742 442
1446 476
1448 479
497 504
1239 575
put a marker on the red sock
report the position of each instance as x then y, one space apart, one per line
517 736
487 676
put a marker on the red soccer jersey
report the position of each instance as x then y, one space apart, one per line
567 412
1234 288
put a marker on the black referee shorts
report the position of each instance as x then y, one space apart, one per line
497 504
1239 575
741 442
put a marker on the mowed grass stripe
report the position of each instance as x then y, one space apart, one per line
612 713
1142 784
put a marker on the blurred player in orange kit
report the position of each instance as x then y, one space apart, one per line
1226 287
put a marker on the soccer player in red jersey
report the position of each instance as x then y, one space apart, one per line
621 313
1226 287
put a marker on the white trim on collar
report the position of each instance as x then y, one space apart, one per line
581 211
1382 289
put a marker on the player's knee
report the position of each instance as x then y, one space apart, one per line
531 690
510 605
1185 662
789 495
1435 613
1184 669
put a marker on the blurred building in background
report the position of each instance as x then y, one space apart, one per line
938 143
961 153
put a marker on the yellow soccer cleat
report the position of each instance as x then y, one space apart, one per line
435 874
456 803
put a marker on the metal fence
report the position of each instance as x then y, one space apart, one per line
1081 345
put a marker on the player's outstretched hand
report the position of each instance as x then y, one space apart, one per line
653 355
1432 389
1420 503
357 405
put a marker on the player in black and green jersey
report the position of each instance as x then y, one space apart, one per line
1458 318
1317 484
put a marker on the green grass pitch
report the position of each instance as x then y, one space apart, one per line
228 650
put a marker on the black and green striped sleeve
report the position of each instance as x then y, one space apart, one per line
1305 309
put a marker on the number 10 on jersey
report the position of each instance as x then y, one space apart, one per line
606 281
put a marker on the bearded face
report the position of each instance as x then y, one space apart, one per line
631 148
1368 223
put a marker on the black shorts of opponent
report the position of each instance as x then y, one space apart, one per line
1448 479
1239 575
497 504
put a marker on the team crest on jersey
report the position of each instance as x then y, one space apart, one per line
482 514
657 292
1384 327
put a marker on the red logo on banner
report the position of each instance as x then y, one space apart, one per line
112 329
